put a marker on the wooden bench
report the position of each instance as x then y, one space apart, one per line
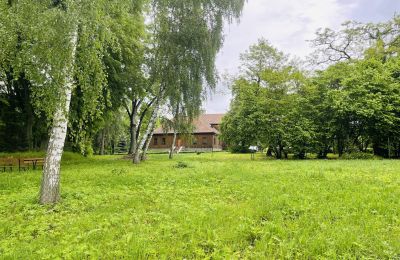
22 164
34 162
7 164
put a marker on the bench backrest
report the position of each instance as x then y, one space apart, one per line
37 161
9 161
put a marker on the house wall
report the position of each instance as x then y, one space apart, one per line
164 141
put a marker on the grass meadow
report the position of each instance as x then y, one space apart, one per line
221 206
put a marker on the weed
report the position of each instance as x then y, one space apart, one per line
119 171
181 165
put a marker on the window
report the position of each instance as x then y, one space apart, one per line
205 140
164 142
155 141
215 140
195 140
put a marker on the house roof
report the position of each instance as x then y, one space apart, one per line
201 125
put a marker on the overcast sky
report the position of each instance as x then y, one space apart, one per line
287 24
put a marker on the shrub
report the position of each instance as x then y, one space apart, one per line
181 165
119 171
358 156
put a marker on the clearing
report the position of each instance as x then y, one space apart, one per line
219 206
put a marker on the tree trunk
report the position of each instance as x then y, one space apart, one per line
132 138
50 187
269 151
171 151
366 146
147 144
149 130
278 152
323 154
175 124
301 155
133 128
112 146
29 131
379 151
340 147
103 137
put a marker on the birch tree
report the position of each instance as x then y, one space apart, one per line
46 52
186 37
61 45
49 192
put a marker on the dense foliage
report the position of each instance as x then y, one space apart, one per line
123 63
34 57
353 105
69 68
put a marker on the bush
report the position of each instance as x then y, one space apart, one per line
238 149
358 156
181 165
119 171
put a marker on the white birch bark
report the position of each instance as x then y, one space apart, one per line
175 122
172 148
147 145
149 129
50 187
133 127
103 137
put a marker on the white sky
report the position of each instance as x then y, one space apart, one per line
288 24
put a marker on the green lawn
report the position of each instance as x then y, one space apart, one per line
221 206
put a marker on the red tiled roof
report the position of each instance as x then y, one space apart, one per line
201 125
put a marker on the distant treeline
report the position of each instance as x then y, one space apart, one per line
350 105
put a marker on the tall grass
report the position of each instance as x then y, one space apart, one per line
217 206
